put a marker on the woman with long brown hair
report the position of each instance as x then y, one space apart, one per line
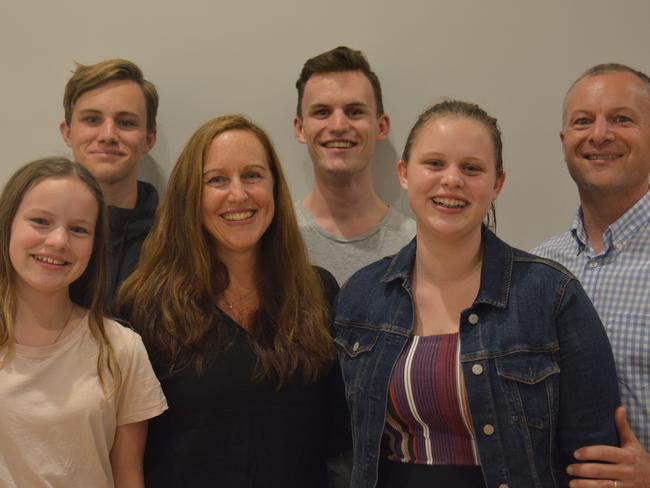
236 322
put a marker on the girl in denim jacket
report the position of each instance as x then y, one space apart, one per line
468 363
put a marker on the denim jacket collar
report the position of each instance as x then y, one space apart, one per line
496 269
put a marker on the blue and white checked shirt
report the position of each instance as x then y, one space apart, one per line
618 282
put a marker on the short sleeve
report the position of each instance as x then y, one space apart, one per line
140 394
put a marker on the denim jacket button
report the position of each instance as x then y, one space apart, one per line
488 429
472 319
477 369
355 347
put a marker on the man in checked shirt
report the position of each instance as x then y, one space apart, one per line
606 142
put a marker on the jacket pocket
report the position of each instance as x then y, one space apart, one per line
354 348
530 382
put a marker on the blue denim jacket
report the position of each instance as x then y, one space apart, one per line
546 383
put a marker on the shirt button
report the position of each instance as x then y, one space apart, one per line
593 264
472 319
477 369
488 429
355 348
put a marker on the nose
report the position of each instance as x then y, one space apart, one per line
237 191
57 238
339 122
108 131
452 177
600 131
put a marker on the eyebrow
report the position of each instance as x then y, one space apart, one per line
319 105
87 111
248 166
47 213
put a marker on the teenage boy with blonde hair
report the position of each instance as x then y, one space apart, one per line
110 124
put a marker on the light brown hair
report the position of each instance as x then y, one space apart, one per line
170 297
88 290
468 110
89 77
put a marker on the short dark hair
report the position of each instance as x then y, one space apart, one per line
339 59
603 69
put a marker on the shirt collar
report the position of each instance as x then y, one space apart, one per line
620 231
496 269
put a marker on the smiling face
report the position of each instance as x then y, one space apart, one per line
237 200
108 132
52 235
606 136
339 122
451 177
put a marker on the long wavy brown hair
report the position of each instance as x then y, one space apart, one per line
170 297
87 291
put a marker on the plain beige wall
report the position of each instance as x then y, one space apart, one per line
515 58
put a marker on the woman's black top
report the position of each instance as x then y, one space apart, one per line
225 429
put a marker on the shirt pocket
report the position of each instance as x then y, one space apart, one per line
629 335
530 383
354 347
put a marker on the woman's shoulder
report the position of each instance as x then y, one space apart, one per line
541 264
122 337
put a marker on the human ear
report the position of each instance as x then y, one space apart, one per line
64 128
383 123
298 130
401 169
498 184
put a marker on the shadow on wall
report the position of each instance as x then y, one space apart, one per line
150 171
385 177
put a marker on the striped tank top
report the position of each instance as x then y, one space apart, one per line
427 419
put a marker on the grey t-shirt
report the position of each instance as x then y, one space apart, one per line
342 256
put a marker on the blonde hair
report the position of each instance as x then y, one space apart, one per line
89 77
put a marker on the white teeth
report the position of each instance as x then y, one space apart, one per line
237 216
449 202
602 157
48 260
339 144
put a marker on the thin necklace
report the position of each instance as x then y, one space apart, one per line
231 303
65 325
67 321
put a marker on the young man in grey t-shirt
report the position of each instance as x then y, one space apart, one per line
340 117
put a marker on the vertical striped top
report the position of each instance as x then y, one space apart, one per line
427 419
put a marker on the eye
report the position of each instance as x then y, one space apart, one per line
355 112
472 168
622 119
434 163
127 124
91 119
80 230
217 181
582 121
320 113
251 176
39 221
